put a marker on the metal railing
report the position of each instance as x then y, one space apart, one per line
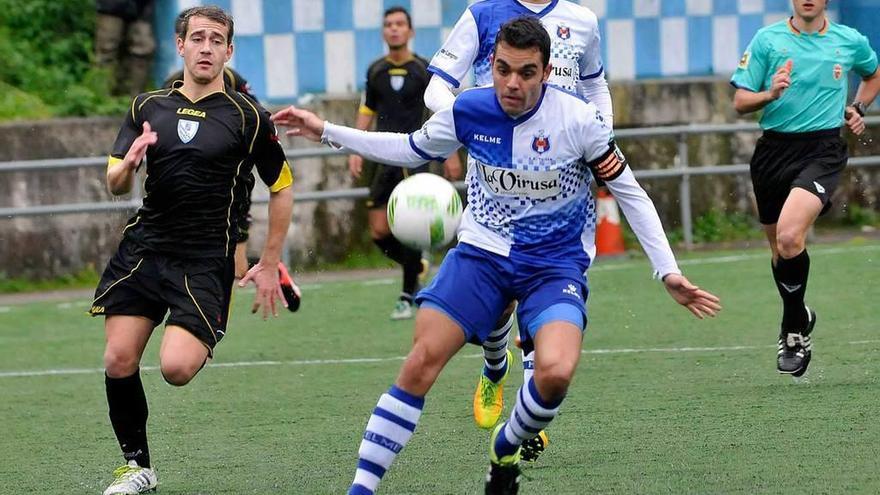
681 170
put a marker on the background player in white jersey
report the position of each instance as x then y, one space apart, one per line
530 150
575 57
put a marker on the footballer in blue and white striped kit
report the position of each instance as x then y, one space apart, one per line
575 57
531 148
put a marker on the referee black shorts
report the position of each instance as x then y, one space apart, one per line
782 161
383 179
197 292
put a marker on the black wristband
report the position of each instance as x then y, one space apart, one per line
859 107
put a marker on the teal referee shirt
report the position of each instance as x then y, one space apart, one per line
821 63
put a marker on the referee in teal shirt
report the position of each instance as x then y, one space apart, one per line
796 71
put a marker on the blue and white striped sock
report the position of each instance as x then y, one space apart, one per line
495 352
390 427
531 415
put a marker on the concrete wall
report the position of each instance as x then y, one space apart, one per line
331 231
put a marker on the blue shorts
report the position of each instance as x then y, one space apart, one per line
474 286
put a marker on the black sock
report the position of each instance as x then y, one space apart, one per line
128 415
411 271
791 281
410 259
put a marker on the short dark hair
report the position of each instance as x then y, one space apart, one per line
525 32
213 12
395 9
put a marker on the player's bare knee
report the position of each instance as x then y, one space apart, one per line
178 374
419 370
789 242
120 364
553 379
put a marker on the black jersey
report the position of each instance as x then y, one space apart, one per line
234 82
396 94
194 181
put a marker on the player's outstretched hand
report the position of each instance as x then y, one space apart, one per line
265 277
854 121
698 301
300 123
138 149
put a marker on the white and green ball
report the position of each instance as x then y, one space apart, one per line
424 211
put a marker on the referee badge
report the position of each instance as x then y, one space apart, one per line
397 83
838 72
187 129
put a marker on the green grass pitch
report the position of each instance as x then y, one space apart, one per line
662 403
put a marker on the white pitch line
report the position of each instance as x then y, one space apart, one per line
734 258
313 362
600 268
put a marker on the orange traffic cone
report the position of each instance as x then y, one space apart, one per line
609 235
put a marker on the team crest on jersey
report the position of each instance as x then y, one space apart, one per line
563 31
541 142
187 129
838 72
397 83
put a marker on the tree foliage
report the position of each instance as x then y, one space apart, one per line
46 57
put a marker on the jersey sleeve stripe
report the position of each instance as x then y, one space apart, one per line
256 128
285 179
420 152
240 111
446 77
593 75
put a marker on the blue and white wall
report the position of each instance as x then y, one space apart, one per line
288 48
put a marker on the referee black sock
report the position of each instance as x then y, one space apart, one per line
410 259
128 415
791 280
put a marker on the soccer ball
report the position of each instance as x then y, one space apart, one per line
424 211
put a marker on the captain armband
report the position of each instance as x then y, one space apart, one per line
610 165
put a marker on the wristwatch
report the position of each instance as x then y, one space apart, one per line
859 107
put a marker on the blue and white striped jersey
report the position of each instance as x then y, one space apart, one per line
528 179
575 52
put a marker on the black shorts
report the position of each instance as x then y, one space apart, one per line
196 291
383 178
782 161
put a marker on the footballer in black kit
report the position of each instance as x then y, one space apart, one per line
394 95
194 190
235 82
393 99
200 140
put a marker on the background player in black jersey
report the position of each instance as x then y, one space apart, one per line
236 82
394 99
176 255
